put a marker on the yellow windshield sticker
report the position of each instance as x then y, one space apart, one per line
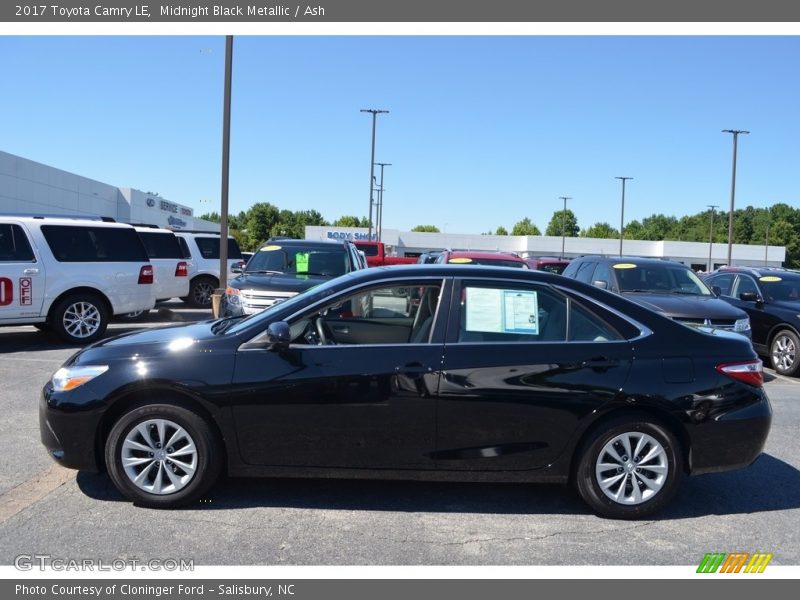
460 261
301 262
624 266
770 278
269 248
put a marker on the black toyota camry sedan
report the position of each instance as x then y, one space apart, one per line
490 374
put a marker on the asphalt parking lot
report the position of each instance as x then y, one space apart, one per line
45 509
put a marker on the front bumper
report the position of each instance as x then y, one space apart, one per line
68 433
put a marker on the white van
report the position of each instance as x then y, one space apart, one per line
71 274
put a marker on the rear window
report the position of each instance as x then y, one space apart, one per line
209 247
368 249
161 245
71 243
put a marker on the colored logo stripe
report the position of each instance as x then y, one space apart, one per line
711 562
758 563
734 562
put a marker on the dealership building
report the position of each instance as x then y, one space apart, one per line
693 254
28 187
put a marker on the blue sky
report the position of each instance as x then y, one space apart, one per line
482 132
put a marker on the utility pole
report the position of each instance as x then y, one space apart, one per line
711 235
735 133
563 221
379 217
622 213
375 112
226 156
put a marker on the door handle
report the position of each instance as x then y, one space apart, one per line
31 271
600 362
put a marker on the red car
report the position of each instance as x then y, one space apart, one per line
474 257
548 263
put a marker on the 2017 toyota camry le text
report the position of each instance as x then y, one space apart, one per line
417 372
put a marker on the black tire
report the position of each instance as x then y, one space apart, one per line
134 317
206 461
784 352
668 463
200 291
79 318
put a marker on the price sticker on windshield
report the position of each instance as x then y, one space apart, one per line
624 266
460 261
269 248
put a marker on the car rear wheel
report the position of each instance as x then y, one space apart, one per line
200 291
79 319
784 352
162 456
629 469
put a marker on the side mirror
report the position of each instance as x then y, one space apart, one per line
236 270
749 297
717 290
603 285
278 336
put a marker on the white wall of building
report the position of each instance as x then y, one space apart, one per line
689 253
28 187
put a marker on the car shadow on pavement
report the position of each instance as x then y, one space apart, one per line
769 485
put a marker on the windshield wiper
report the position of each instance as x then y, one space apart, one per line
262 271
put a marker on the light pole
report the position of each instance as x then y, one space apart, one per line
563 221
766 244
379 217
735 133
226 156
622 213
375 112
711 234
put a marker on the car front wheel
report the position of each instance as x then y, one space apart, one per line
162 456
784 352
629 469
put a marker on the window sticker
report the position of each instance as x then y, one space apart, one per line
502 311
770 278
269 248
301 262
460 261
624 266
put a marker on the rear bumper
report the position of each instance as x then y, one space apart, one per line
733 440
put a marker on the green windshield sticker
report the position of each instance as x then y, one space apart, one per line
301 262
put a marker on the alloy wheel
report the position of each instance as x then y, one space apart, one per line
784 353
632 468
81 319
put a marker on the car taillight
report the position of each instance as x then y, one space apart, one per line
750 372
146 274
182 270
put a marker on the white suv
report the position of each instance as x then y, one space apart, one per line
171 270
202 248
71 274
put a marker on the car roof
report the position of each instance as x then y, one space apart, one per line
323 244
636 260
484 254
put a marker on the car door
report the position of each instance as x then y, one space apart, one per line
335 401
523 364
22 276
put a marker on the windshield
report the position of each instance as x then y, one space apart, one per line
298 259
309 296
666 278
781 288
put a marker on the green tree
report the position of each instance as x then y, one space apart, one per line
501 231
259 223
426 228
600 230
351 221
563 221
212 216
525 227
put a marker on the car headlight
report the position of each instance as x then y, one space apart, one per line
68 378
232 295
742 324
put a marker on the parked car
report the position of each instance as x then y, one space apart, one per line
496 375
283 268
377 256
548 263
202 249
771 298
428 258
474 257
665 286
170 270
71 274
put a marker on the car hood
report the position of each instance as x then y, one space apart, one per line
679 306
161 341
278 282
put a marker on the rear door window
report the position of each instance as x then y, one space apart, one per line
14 245
209 247
73 243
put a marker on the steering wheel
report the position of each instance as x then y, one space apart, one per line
324 332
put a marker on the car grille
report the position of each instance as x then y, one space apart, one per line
259 300
728 324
